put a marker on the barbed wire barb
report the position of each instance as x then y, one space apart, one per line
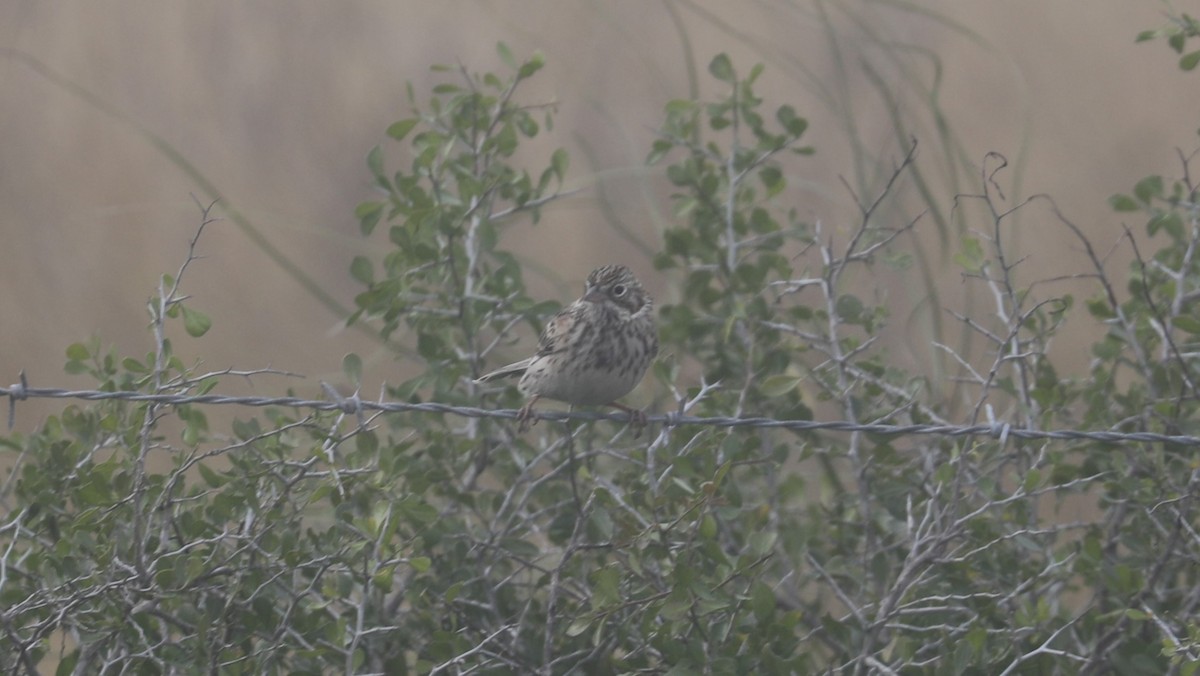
16 393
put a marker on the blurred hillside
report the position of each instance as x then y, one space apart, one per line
276 104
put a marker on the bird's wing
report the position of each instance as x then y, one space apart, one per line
554 339
556 335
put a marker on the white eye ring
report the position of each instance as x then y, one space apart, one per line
618 290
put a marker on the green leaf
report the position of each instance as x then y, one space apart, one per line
1148 188
849 308
398 130
762 601
677 605
970 258
375 163
606 587
366 442
361 271
533 65
196 323
1190 60
527 125
600 525
418 510
722 68
1100 309
658 151
579 625
778 385
1032 478
762 542
67 666
352 367
1188 324
1176 42
384 578
207 385
246 429
78 352
794 124
212 478
1123 203
678 107
95 492
1169 221
559 162
430 346
772 178
420 564
506 56
368 214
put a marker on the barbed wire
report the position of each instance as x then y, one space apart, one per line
356 405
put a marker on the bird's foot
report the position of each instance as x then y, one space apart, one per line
526 417
637 418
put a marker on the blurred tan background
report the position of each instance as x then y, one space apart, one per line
277 103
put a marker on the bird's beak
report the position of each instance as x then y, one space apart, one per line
594 295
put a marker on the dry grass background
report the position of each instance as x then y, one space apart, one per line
278 102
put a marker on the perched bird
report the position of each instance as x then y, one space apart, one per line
593 351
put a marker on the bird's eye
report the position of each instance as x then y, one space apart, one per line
618 290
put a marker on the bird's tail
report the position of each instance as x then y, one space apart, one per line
515 369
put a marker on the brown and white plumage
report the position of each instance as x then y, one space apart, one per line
595 350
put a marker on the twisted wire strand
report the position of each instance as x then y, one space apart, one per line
354 405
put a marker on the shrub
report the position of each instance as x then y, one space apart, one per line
136 538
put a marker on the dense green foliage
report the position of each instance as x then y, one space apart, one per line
136 538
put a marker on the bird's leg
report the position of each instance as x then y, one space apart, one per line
637 418
525 416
